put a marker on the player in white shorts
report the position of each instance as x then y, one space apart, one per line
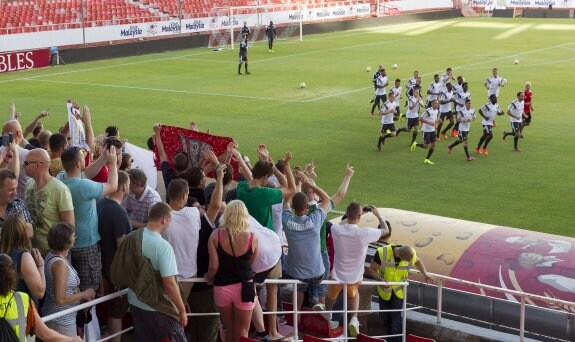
464 117
516 114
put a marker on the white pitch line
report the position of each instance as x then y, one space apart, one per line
164 90
328 50
204 60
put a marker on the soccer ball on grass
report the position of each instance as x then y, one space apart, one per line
395 66
368 69
302 85
516 61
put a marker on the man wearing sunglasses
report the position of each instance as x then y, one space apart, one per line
49 200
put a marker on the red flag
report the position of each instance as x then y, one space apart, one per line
177 139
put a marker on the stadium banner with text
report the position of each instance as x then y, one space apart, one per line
414 5
24 60
133 31
525 3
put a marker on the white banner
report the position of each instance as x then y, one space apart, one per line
39 40
414 5
540 3
134 31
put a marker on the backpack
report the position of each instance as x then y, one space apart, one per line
7 334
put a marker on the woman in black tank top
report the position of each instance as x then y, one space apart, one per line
232 249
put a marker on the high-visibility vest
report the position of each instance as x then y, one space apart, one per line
16 310
389 272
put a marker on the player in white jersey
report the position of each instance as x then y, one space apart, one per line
414 103
412 81
445 101
464 117
516 114
374 81
488 113
447 77
493 83
380 85
396 89
458 87
387 125
433 90
428 120
460 97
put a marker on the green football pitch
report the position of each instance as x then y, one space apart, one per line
328 121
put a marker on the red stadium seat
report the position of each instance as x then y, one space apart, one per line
414 338
365 338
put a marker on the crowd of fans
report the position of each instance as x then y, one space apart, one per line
79 223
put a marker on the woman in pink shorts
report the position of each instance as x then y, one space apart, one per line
232 249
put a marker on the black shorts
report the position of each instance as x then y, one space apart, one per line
527 119
449 115
387 127
487 129
412 122
381 98
462 135
516 127
243 58
429 137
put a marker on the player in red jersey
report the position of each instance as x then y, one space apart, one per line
528 106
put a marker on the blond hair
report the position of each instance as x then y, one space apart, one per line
527 84
14 235
236 218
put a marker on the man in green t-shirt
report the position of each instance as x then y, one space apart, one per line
259 201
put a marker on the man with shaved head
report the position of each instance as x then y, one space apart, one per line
48 199
392 264
13 126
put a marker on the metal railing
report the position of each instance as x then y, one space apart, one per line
523 296
295 312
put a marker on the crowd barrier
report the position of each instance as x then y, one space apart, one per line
438 308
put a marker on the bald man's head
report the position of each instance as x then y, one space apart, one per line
405 253
13 126
38 154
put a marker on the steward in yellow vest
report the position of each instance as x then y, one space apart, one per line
392 263
20 312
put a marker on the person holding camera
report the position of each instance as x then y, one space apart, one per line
350 244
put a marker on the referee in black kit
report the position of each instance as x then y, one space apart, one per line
243 56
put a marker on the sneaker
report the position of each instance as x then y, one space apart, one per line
371 101
269 50
494 123
379 149
282 321
326 315
516 150
449 148
454 133
437 139
504 135
485 150
333 324
353 327
239 73
371 114
387 131
248 73
428 162
413 146
444 136
470 158
478 150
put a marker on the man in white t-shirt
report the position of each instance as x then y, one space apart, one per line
380 87
464 117
516 113
414 103
493 83
433 90
387 126
183 233
396 89
488 113
428 120
350 246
